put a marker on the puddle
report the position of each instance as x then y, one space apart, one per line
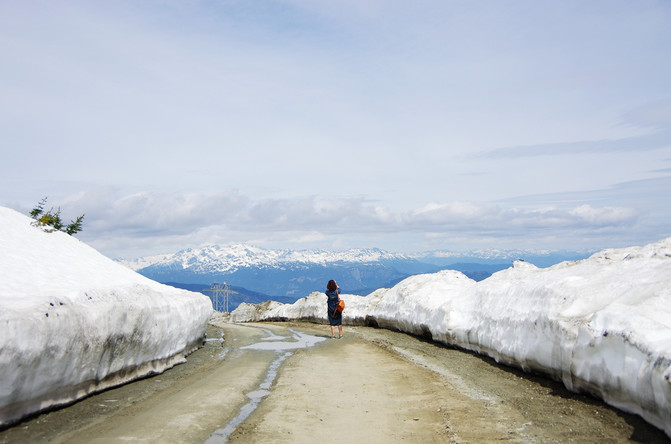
255 397
223 354
219 339
271 342
214 340
279 343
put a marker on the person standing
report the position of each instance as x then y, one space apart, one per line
335 318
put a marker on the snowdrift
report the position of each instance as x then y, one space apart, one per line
75 322
601 325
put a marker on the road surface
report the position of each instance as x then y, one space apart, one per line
372 386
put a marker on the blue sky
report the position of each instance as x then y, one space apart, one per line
408 126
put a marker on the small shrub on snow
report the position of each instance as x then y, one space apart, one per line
53 219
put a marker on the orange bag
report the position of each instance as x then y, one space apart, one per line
340 307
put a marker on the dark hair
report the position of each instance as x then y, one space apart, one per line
331 286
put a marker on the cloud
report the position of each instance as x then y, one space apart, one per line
473 218
655 114
149 221
156 214
600 217
657 140
654 118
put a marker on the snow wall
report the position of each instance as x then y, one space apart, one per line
601 325
74 322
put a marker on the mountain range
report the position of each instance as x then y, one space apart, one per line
287 275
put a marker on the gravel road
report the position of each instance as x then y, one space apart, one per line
371 386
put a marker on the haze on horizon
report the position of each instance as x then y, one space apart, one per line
407 126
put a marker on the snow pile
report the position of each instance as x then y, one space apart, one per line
600 325
75 322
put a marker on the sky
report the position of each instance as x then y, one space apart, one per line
407 126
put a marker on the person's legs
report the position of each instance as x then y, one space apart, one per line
340 330
332 332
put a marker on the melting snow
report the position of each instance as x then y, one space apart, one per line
75 322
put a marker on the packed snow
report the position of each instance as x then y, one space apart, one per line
75 322
601 325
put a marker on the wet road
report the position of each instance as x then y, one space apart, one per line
382 387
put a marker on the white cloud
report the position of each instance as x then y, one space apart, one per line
152 214
656 114
154 222
446 213
654 141
608 216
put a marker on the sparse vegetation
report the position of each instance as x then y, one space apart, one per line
52 218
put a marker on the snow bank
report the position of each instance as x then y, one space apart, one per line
601 325
75 322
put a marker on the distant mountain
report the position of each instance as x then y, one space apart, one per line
540 258
287 273
216 259
275 274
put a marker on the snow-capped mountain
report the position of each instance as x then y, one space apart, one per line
217 259
293 273
296 273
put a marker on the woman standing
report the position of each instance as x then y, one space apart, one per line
335 318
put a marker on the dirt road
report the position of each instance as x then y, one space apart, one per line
371 386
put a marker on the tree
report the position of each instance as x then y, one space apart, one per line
75 226
38 209
53 219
